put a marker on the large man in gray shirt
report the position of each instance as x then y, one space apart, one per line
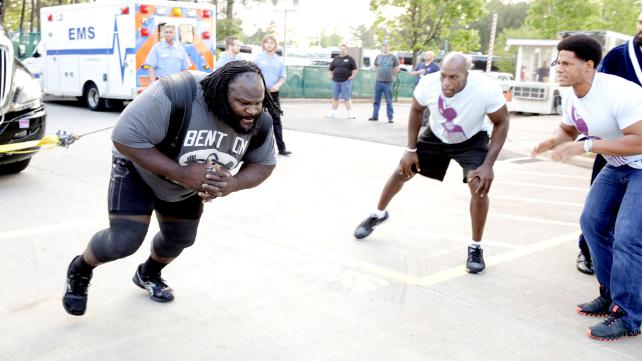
227 114
387 68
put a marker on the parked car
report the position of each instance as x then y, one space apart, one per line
22 113
504 80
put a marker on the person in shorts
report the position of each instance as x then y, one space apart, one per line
459 102
342 70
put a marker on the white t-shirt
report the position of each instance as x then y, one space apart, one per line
458 118
612 104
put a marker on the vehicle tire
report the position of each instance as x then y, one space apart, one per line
92 98
16 167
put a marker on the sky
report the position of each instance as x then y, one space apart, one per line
308 18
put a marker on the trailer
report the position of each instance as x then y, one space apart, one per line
96 51
535 89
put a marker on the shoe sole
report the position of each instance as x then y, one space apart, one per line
139 283
586 272
579 311
70 309
373 228
475 272
611 339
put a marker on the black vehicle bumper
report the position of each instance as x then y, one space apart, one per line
22 126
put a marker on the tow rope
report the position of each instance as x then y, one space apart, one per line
60 139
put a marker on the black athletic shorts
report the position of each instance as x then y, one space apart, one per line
435 155
130 195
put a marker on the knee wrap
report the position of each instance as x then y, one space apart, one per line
174 237
121 239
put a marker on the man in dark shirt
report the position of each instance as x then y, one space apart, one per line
342 70
425 66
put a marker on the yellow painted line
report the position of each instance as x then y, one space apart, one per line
459 271
373 270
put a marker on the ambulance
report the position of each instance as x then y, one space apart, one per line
96 51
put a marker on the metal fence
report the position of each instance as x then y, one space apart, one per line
313 82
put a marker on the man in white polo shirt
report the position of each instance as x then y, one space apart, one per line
459 102
606 112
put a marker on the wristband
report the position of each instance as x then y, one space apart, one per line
413 150
588 145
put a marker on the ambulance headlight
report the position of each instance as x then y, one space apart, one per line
28 93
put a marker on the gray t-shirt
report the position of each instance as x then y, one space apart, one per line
144 123
385 63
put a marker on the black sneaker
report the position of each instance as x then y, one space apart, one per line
612 328
599 307
373 119
368 225
390 120
75 298
158 290
475 262
584 264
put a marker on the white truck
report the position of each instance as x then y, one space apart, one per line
96 51
535 89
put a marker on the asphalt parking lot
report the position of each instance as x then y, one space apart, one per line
276 274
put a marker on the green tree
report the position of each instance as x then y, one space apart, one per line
364 35
227 27
329 40
464 40
423 24
621 15
259 34
548 17
509 16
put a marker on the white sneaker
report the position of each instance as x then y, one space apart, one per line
350 116
331 115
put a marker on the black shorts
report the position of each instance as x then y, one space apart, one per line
130 195
435 155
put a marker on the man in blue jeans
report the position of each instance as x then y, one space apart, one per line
387 68
606 111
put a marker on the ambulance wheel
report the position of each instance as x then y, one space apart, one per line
92 98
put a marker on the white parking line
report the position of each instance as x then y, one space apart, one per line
39 230
536 200
539 174
545 186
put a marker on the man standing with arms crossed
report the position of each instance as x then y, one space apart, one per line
341 71
606 111
459 102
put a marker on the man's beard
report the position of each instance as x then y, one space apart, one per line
235 123
638 39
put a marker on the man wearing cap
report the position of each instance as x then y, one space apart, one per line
387 66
